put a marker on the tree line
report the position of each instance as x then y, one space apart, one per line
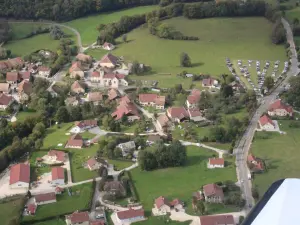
62 10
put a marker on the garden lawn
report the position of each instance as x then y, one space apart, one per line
160 220
281 155
51 222
10 210
65 204
236 38
21 116
38 171
180 182
130 128
86 26
87 135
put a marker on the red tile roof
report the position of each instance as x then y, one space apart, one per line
130 213
251 158
175 202
177 112
75 140
60 155
98 222
86 123
91 162
76 66
5 99
163 120
12 76
4 87
78 217
194 112
76 85
280 105
109 58
25 86
213 190
96 74
31 208
112 94
195 92
152 98
45 197
106 44
24 74
57 173
19 172
265 120
208 82
216 161
160 201
44 69
58 189
83 57
125 108
217 220
95 96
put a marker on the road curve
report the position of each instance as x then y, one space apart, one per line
243 148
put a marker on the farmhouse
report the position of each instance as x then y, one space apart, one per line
266 123
113 94
44 71
215 163
25 75
24 90
75 141
109 79
177 114
77 218
12 77
95 97
58 175
5 88
5 101
278 108
163 205
217 220
43 199
127 108
76 70
163 122
55 156
109 61
93 164
72 101
108 46
193 99
195 115
130 216
213 193
15 63
77 88
19 176
210 83
127 147
152 100
255 164
81 126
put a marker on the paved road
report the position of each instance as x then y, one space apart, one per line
242 149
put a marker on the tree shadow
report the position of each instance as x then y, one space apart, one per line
197 64
122 42
193 160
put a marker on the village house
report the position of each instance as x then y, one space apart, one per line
5 88
25 75
213 193
266 123
58 176
46 198
215 163
72 101
12 77
192 101
109 79
127 147
77 88
81 126
95 97
255 164
76 70
152 139
164 123
195 115
177 114
113 94
108 46
126 108
24 90
78 218
130 216
86 59
210 83
109 61
10 64
162 205
19 176
44 71
93 164
30 209
278 108
236 86
59 190
75 141
217 220
153 100
55 157
5 101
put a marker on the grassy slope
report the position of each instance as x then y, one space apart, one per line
21 30
65 203
179 182
237 38
9 210
281 154
87 26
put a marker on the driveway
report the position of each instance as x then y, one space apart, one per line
182 216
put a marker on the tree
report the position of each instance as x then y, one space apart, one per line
38 144
278 33
136 68
147 160
226 90
295 21
56 33
185 60
124 37
201 207
269 82
62 115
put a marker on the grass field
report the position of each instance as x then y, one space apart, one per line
21 116
281 155
65 203
51 222
86 26
236 38
35 171
160 221
21 30
10 210
180 182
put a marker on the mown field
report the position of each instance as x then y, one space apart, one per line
180 182
86 26
281 155
51 222
10 210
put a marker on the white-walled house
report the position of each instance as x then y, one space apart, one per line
266 123
5 101
278 108
108 46
81 126
130 216
108 80
19 176
215 163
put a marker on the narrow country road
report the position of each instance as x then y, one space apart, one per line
243 148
